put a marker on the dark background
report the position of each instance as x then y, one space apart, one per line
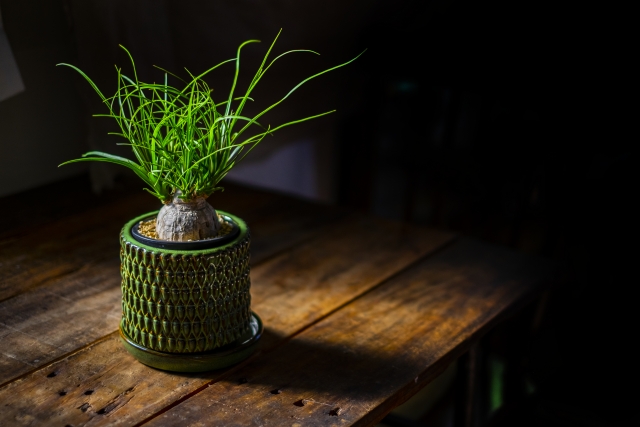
511 122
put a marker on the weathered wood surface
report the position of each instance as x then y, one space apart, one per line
60 283
62 247
34 255
290 291
355 366
360 314
58 200
73 196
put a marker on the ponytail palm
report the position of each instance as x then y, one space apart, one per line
183 141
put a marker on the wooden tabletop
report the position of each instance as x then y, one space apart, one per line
359 314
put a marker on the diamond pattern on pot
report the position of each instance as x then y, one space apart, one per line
185 303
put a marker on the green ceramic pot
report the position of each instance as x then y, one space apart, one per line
187 302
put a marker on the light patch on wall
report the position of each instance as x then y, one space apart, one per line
290 169
10 80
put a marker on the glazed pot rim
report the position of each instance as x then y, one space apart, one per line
130 232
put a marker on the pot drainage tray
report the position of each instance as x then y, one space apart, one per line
222 357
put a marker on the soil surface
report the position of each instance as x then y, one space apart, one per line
148 228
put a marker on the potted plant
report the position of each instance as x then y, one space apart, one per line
185 268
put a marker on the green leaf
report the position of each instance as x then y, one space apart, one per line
180 137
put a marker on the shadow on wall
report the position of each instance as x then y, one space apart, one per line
10 80
292 169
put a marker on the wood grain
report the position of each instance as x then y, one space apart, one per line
358 364
46 323
73 196
44 252
291 291
52 202
62 247
61 281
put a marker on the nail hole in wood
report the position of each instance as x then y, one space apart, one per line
62 393
301 402
335 412
276 391
102 411
88 392
52 374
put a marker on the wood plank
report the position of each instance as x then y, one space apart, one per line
39 326
290 291
73 196
64 246
35 256
52 202
355 366
319 276
72 274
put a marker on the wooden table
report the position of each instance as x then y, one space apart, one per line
360 314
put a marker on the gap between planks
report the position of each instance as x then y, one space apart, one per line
64 356
365 268
263 256
274 233
254 357
390 343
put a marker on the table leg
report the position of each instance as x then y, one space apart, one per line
467 404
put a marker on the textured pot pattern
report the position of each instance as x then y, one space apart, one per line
185 301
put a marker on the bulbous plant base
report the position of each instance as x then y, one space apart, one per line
192 302
187 220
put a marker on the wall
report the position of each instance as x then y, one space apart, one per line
50 121
41 126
